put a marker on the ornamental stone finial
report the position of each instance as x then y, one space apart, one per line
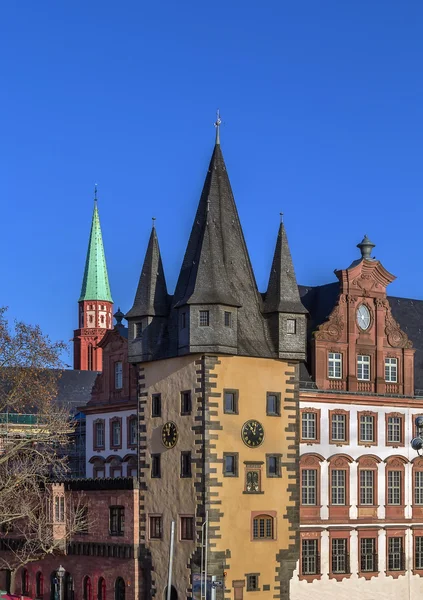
366 247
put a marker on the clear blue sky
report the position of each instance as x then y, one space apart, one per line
322 104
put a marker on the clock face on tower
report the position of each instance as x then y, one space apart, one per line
363 317
252 433
169 434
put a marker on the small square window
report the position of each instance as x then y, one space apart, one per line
186 403
186 464
156 530
204 318
273 465
252 582
155 466
230 402
138 330
273 404
228 319
291 326
187 528
156 405
230 465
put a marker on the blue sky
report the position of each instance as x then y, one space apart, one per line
322 108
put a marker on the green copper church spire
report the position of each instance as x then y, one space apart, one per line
95 285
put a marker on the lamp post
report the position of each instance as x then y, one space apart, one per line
417 442
60 574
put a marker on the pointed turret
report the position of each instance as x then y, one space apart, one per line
95 302
216 285
148 315
95 285
151 298
282 291
283 305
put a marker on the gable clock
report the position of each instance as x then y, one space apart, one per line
363 317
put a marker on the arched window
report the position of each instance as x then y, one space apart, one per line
99 468
395 471
339 485
90 358
54 586
39 585
87 595
263 527
115 467
119 589
101 589
24 582
367 480
131 468
68 587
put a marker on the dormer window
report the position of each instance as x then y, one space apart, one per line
391 370
335 365
138 330
204 318
363 367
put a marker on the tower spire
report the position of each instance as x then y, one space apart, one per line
282 291
95 285
151 298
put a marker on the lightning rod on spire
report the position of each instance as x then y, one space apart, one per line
217 124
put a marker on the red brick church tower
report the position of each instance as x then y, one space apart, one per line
95 303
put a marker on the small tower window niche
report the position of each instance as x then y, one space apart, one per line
183 320
204 318
138 330
291 326
228 319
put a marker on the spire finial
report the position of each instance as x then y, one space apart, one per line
217 124
154 222
281 216
95 192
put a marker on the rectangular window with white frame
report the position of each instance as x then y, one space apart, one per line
395 554
338 486
418 554
368 556
367 428
418 488
394 488
308 425
310 557
363 367
367 482
391 370
309 487
340 558
338 425
335 365
394 430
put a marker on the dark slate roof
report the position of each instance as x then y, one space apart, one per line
320 300
151 298
216 240
282 291
216 268
75 388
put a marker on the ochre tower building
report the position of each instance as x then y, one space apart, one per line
217 366
95 315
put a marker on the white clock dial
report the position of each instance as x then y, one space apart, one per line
363 317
